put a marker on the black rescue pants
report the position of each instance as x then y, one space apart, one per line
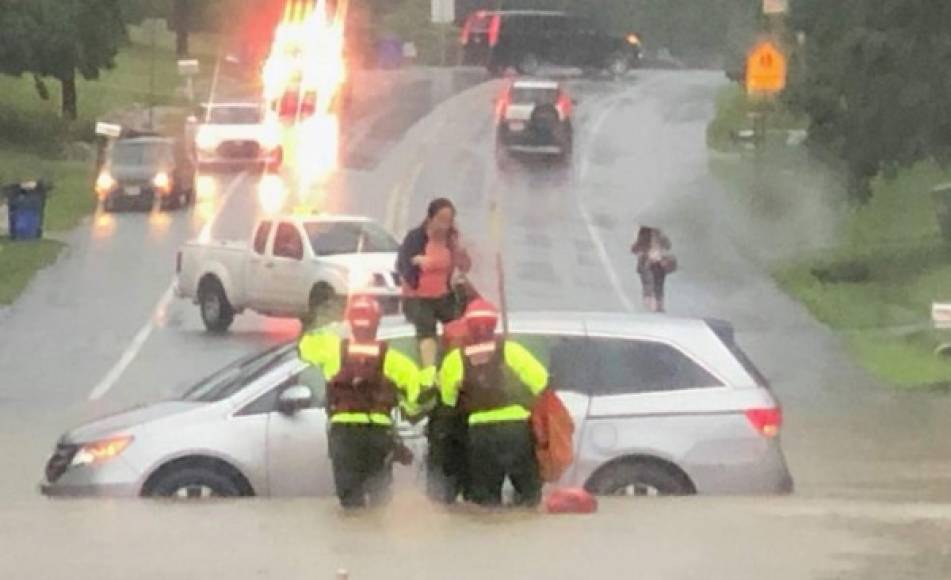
500 450
362 471
447 461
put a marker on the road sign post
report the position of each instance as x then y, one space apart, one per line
442 12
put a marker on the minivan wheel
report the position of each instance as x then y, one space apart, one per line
216 312
529 64
195 483
639 479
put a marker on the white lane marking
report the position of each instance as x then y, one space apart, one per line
158 316
603 255
599 245
594 130
402 218
131 351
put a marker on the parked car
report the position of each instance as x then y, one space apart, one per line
235 134
662 406
294 266
141 171
527 39
533 116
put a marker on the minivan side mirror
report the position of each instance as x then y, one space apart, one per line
294 399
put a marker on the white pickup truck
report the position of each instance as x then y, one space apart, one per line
295 266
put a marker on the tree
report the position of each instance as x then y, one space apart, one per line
874 82
181 24
60 39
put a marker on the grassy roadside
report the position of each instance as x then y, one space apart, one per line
437 44
34 141
874 278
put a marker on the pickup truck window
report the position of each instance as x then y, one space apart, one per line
260 237
287 242
332 238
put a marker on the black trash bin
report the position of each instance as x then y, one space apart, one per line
26 206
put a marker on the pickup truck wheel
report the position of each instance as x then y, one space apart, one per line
324 306
216 312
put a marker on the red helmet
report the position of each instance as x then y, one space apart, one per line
363 314
481 317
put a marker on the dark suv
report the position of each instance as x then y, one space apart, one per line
526 39
533 117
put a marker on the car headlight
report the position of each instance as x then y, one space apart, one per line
162 182
101 451
205 141
105 183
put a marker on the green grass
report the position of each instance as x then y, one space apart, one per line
411 23
733 110
32 136
141 76
894 241
876 283
20 260
72 196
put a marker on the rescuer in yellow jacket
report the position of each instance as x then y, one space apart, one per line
496 383
366 381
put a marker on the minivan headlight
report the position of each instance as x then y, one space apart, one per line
101 451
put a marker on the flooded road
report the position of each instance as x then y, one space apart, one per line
871 466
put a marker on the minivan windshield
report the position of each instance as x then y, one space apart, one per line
229 380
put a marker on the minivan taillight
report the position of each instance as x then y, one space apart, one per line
766 421
178 263
494 27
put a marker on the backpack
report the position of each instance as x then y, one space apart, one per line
553 430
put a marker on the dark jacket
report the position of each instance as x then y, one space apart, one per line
414 244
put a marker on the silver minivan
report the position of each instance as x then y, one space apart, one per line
662 406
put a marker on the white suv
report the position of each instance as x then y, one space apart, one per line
234 134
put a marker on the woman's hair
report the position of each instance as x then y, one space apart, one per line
643 241
437 205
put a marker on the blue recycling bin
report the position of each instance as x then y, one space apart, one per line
26 206
389 53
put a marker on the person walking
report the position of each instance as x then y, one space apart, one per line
428 257
366 380
496 382
654 262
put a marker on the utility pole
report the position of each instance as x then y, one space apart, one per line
153 31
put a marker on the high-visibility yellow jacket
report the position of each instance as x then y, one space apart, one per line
322 348
523 364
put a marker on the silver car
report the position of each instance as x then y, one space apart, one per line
662 406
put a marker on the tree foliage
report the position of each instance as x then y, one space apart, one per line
873 79
60 39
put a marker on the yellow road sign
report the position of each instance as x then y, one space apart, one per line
765 69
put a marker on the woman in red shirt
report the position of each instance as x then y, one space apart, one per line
428 257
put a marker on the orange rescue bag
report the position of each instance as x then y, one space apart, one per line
553 430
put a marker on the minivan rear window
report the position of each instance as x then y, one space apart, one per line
724 332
